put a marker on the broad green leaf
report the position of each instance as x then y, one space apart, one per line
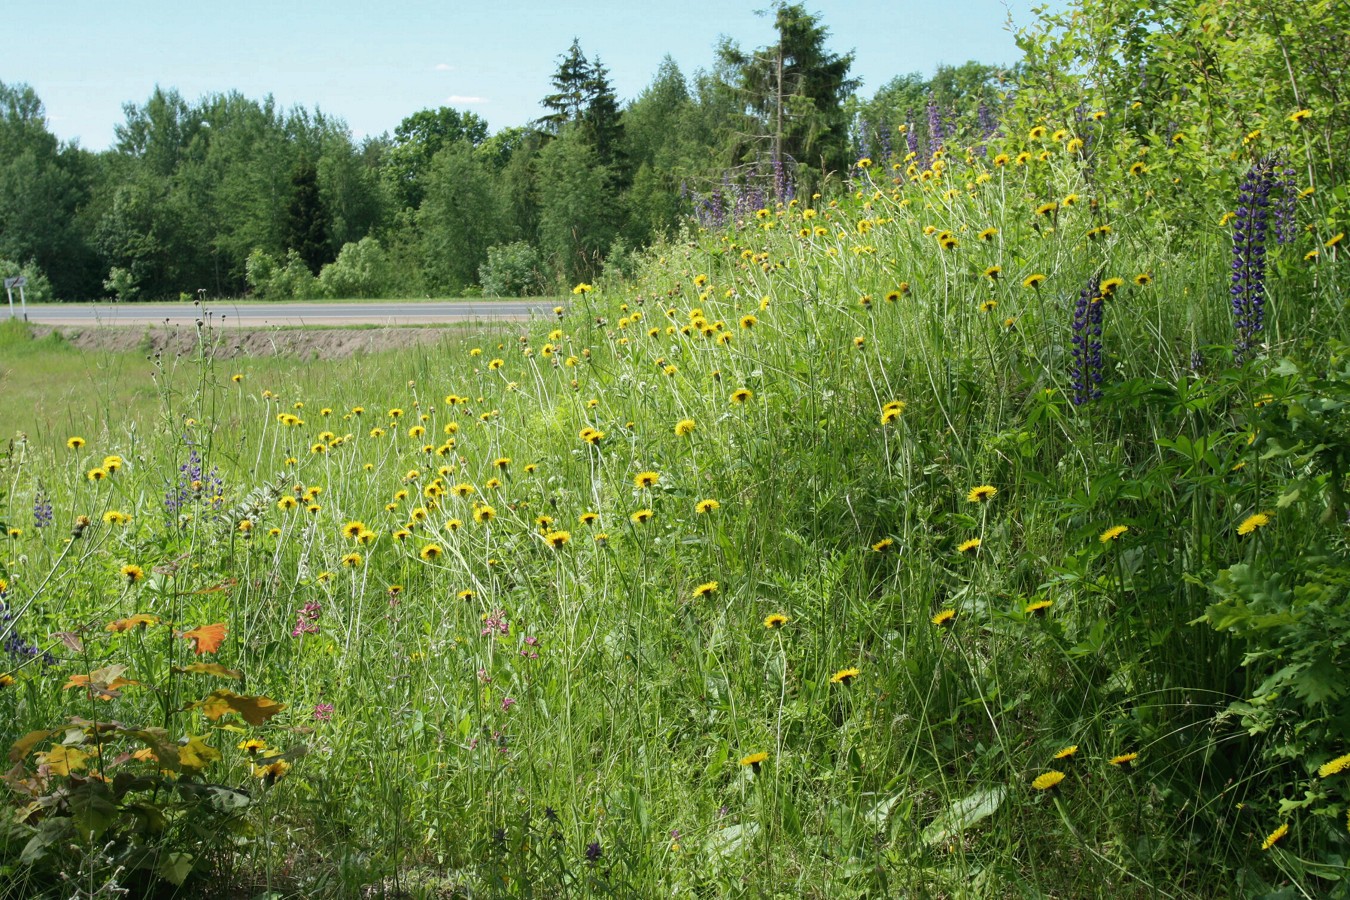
964 813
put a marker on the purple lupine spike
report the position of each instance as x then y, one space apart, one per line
863 147
935 133
1086 367
911 136
42 509
1248 280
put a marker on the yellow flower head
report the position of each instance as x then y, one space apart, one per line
969 546
703 507
1113 533
754 759
1275 836
1251 523
1067 752
75 443
845 676
705 589
943 618
647 479
776 620
1047 780
1334 767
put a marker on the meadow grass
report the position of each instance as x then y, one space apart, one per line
789 568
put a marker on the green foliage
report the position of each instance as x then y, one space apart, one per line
458 220
306 218
794 92
361 270
37 289
511 270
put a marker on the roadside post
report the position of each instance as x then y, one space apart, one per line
17 281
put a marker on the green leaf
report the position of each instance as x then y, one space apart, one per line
175 867
963 814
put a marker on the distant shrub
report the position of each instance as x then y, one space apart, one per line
121 284
37 290
511 270
271 279
361 270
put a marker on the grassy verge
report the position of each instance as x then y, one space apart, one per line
927 541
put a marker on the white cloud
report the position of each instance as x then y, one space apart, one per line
443 67
456 98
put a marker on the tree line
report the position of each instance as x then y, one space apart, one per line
237 196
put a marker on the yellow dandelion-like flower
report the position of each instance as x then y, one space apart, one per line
1034 280
883 545
684 427
1301 116
705 589
1038 608
1047 780
96 474
988 306
845 676
1253 522
502 462
430 552
132 573
75 442
646 479
988 234
943 618
252 746
703 507
741 395
754 760
1335 239
1113 533
588 518
352 560
776 620
352 529
557 539
981 494
1143 279
1334 767
641 517
1066 752
1124 760
969 546
1274 836
483 514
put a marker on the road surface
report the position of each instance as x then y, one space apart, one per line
255 315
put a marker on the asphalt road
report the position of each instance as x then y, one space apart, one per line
263 314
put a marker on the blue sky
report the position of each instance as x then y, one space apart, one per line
373 63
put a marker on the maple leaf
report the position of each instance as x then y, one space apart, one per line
140 619
210 668
63 760
101 683
24 745
255 710
208 638
196 755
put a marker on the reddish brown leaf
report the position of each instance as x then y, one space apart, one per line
208 638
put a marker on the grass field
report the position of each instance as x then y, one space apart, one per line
922 542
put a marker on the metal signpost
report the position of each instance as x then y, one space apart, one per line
17 281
